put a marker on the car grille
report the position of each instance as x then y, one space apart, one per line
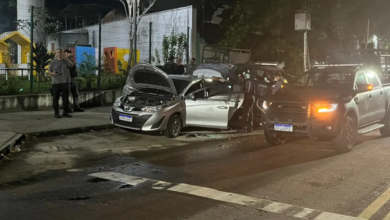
284 112
138 121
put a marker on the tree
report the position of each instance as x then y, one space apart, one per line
42 59
267 27
87 68
135 10
44 25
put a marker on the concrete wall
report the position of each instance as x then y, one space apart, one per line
44 101
116 33
67 40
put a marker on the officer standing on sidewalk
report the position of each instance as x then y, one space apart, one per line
249 101
74 88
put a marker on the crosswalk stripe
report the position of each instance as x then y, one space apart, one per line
232 198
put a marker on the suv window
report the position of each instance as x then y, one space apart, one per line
360 79
373 79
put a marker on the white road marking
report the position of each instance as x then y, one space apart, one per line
233 198
305 212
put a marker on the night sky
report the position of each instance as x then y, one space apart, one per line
159 6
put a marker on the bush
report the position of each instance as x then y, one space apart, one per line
113 81
12 86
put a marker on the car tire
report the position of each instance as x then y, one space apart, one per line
346 140
385 131
273 141
174 127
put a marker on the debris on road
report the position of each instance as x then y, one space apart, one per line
97 180
125 186
79 198
192 135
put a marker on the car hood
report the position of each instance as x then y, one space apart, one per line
145 75
307 94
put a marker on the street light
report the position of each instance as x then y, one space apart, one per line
303 23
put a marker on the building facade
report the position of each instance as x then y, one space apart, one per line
151 31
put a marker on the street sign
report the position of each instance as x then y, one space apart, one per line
302 21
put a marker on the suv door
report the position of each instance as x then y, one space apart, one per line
361 99
377 104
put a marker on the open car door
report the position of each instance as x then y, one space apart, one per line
203 111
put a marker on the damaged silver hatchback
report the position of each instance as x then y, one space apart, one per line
155 101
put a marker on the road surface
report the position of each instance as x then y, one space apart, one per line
111 175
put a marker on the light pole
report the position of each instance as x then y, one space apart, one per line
303 23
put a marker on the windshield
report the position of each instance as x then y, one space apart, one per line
180 85
325 79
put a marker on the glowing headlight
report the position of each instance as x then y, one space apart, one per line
152 108
265 104
323 108
118 102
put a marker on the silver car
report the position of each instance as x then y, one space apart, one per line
155 101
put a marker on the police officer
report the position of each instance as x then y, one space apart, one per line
279 81
170 67
249 101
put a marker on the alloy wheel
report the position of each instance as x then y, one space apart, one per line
349 133
175 127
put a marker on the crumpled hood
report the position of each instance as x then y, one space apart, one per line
307 94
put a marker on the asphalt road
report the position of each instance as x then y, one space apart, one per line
236 178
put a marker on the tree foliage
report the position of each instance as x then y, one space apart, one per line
87 68
44 25
42 59
135 10
267 27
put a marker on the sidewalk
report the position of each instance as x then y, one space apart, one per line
14 126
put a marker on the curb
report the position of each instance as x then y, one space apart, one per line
68 131
6 147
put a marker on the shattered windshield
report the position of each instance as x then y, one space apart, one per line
325 79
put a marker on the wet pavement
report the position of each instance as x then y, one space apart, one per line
117 174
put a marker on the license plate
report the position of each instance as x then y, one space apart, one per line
286 128
126 118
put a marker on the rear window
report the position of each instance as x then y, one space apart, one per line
150 78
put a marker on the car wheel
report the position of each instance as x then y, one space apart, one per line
174 127
347 137
385 131
272 140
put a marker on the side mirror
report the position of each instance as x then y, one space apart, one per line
364 87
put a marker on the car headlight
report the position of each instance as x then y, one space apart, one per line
326 107
118 102
265 105
152 108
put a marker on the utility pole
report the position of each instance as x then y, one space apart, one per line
303 23
135 29
31 50
100 53
305 50
368 33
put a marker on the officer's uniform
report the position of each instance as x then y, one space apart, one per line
249 101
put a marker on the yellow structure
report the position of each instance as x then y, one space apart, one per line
114 55
19 39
